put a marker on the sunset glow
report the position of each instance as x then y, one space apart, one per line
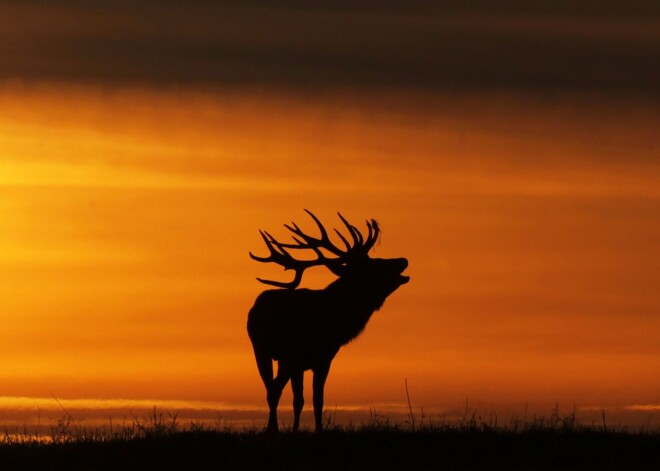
128 219
531 222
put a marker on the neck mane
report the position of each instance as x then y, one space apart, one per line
352 304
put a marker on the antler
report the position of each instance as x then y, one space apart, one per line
280 255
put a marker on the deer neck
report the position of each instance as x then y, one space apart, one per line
352 307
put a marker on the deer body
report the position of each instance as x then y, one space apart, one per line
303 329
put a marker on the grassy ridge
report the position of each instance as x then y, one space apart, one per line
357 449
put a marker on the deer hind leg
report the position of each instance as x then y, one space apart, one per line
274 393
298 398
265 367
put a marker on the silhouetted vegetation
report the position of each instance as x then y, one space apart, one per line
159 442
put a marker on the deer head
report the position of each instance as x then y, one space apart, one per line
351 264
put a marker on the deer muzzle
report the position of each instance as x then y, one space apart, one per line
403 264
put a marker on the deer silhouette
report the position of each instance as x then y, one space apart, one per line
303 329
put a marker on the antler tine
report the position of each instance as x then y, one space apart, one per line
343 239
281 284
325 240
355 234
359 234
309 239
374 232
312 242
324 233
273 253
279 255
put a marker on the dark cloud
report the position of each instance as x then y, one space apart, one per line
594 46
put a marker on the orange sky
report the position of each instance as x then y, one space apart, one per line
531 226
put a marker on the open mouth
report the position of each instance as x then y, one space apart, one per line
403 279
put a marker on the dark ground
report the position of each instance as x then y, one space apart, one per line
347 450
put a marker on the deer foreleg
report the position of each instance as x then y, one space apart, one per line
318 384
298 398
